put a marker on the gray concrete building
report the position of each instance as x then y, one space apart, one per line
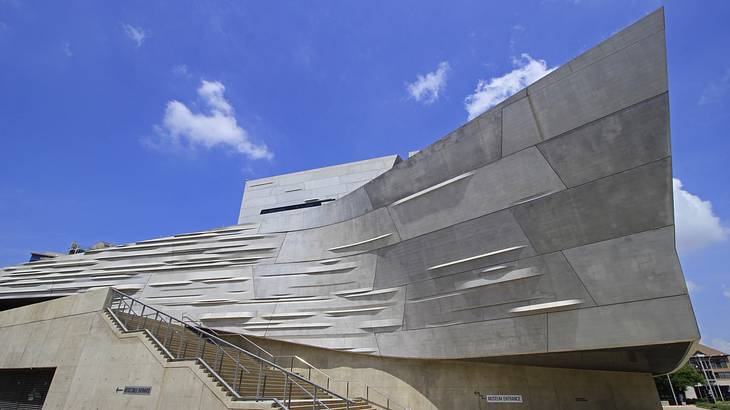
526 259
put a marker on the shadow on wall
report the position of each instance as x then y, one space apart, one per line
449 384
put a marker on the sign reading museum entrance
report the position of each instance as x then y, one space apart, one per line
504 398
500 398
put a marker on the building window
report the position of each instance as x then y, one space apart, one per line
306 204
722 375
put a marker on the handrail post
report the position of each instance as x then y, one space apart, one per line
130 306
159 324
292 364
172 331
314 402
258 383
126 318
167 334
235 370
215 360
240 380
220 362
183 345
144 321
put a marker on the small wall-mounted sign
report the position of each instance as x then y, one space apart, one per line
138 390
500 398
504 398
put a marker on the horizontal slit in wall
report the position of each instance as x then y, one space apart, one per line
309 204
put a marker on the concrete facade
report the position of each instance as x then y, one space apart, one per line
92 359
450 384
541 232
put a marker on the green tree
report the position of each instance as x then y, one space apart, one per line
681 379
685 377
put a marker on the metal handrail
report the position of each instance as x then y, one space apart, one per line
199 324
146 331
202 361
314 397
307 364
117 296
280 404
164 348
388 401
330 381
219 378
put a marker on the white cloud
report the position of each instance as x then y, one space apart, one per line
212 93
726 293
427 87
518 30
696 225
217 127
67 50
136 34
720 344
490 93
715 91
182 70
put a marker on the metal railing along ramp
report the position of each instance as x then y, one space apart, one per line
243 375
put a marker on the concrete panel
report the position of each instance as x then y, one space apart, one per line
313 278
640 266
181 388
409 260
350 206
624 140
626 77
474 145
519 129
491 188
657 359
632 201
331 182
515 335
478 295
342 239
645 27
641 323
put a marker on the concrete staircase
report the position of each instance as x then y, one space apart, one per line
241 376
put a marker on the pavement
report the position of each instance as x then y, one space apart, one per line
687 407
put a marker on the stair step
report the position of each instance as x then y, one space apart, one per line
184 343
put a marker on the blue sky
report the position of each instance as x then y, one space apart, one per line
122 121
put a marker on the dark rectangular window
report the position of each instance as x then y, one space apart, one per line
306 204
24 389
